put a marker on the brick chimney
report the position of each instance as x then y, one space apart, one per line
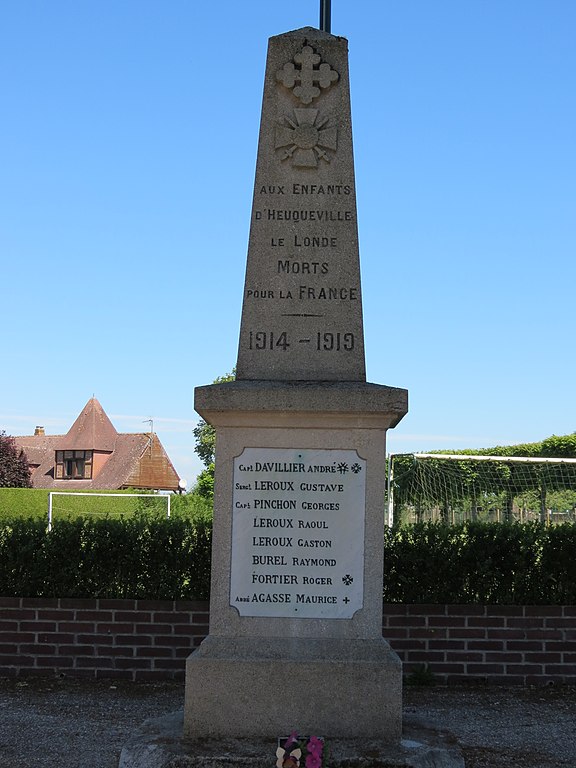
39 432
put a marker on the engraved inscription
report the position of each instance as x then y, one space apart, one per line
324 341
302 305
296 215
305 189
285 266
298 533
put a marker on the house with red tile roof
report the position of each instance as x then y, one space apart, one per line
92 455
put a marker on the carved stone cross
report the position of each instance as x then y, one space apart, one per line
301 79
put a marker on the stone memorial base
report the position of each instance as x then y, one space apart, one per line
295 637
261 687
159 744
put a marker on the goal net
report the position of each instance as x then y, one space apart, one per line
454 487
67 504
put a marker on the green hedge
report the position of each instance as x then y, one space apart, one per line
136 557
485 563
148 556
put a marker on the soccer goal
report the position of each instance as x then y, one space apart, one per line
453 488
76 503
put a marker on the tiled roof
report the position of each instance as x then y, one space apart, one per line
119 467
37 446
92 430
132 459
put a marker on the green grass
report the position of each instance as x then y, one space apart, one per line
33 502
23 502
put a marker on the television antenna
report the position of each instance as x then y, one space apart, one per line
151 431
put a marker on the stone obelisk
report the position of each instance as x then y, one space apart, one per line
302 311
295 636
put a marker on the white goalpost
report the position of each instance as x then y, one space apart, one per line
454 488
148 496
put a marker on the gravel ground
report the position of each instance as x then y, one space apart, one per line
502 727
72 724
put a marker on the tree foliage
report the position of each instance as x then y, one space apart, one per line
204 433
14 470
205 484
205 437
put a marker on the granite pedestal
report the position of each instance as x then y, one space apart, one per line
254 676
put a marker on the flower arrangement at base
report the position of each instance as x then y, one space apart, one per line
301 752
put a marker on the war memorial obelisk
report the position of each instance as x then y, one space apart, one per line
295 636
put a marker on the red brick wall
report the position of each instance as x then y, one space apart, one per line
496 644
150 639
129 639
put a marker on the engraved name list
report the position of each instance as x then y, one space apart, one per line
298 533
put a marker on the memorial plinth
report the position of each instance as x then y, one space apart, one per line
295 637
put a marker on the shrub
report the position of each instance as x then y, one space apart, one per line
149 556
145 556
501 563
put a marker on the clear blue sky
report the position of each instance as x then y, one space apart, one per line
128 134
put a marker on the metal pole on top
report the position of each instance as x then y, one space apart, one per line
325 15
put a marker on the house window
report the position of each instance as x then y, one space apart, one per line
73 465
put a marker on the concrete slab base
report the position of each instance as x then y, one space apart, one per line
254 687
159 744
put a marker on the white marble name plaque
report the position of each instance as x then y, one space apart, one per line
298 533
